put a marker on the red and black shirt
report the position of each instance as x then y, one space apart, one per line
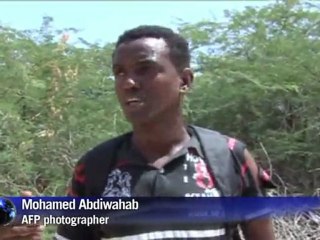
186 175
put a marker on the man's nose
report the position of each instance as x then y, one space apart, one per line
130 82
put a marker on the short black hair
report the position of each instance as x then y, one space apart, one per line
178 46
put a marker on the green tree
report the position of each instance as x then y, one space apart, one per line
258 78
56 102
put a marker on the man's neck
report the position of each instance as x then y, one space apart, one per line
160 139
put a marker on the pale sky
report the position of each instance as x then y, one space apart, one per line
103 21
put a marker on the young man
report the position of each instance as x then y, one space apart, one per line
162 156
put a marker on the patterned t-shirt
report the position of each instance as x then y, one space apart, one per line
185 175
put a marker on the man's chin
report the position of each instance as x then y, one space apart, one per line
136 119
140 119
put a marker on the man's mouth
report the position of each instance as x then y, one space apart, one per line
133 102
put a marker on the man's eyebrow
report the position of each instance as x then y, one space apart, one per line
146 60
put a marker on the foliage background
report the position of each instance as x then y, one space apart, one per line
257 79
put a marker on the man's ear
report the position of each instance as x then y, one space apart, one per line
186 80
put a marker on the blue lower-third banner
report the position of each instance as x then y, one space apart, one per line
146 210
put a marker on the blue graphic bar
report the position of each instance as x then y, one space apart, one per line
127 210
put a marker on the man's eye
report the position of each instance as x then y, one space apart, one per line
142 69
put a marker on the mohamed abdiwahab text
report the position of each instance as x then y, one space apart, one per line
84 204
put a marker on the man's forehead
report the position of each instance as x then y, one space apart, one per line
142 48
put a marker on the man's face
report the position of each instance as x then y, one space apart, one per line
147 83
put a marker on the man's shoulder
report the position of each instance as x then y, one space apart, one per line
210 131
207 130
212 135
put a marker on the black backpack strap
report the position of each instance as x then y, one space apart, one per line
227 163
99 162
218 156
221 165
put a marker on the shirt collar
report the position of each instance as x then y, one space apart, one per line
192 147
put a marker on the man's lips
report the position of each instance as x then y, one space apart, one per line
133 101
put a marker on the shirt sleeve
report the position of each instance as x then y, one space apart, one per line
255 180
76 188
256 183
